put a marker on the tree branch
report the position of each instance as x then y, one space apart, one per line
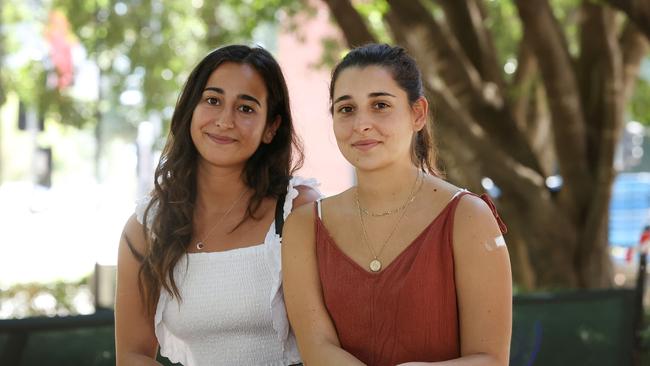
467 24
549 45
443 62
634 46
539 130
637 10
494 161
522 84
595 70
412 22
351 23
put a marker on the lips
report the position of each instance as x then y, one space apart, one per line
220 139
365 145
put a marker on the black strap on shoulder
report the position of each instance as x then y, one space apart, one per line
138 256
279 214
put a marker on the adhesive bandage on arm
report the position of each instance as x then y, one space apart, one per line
496 243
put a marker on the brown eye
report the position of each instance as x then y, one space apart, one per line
345 109
380 105
246 109
212 101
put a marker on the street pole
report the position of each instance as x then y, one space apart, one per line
639 321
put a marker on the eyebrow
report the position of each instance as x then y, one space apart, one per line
240 96
370 95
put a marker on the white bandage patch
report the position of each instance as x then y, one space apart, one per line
498 242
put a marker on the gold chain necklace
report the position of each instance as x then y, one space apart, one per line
375 264
408 201
201 243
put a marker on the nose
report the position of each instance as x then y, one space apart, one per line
362 123
224 119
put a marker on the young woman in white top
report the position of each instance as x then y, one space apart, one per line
199 262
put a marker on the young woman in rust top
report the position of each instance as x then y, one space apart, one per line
403 267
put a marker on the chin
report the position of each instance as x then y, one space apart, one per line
223 162
368 164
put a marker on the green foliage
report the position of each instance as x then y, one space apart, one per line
567 13
639 106
374 11
147 46
333 52
505 27
21 300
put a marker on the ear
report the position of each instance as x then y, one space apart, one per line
271 129
420 112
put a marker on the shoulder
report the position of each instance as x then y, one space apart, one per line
299 225
133 237
300 218
471 208
474 212
339 201
144 206
306 194
301 191
477 227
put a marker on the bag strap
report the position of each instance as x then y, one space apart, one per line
279 214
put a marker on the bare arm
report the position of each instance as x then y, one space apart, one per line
483 285
135 340
315 332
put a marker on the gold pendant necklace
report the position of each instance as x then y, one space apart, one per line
375 264
201 243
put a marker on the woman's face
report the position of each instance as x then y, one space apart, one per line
374 122
229 122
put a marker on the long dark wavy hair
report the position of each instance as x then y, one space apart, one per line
407 75
267 171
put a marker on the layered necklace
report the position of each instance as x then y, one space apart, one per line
375 264
201 243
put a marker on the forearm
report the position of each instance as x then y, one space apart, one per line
135 359
328 354
471 360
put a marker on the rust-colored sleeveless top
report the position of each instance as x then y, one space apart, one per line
405 313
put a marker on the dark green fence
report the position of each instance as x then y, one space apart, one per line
571 328
74 340
574 328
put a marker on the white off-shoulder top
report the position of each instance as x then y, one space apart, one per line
232 310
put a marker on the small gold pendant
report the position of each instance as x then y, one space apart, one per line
375 265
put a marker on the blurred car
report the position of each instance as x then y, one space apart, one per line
629 214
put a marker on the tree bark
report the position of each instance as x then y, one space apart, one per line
602 100
445 65
522 84
555 64
637 10
467 24
634 46
352 24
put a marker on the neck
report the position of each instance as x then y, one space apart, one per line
381 189
217 187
